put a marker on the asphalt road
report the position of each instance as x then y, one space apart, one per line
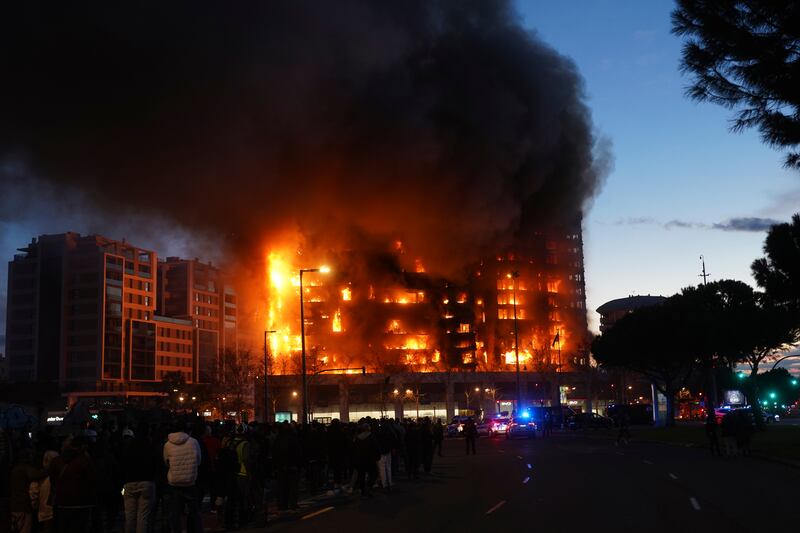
571 482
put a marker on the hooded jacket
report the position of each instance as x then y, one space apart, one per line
182 457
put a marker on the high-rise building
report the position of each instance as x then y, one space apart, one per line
195 291
70 299
82 313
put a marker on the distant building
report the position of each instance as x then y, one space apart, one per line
82 312
612 311
197 292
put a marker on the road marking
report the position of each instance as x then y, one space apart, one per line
315 513
673 476
620 453
529 466
526 480
519 457
645 461
694 503
496 507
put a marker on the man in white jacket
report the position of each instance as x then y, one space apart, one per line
182 457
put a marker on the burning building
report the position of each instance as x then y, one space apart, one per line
447 126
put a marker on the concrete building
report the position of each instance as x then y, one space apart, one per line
82 313
613 310
197 292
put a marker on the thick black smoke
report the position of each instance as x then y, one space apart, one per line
442 123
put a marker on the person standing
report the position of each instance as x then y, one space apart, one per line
426 444
286 458
182 457
139 476
386 444
366 459
237 506
470 435
75 488
22 475
438 436
712 432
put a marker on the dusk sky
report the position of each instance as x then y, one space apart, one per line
680 176
682 185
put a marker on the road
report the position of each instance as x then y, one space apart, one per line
572 482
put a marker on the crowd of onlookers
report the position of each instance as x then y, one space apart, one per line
731 436
155 477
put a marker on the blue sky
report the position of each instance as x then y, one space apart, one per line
676 162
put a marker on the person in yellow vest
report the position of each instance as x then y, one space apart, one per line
237 459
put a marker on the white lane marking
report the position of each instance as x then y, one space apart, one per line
645 461
529 466
315 513
694 503
620 453
673 476
526 480
519 457
496 507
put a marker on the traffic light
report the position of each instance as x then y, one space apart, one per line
740 375
794 382
772 395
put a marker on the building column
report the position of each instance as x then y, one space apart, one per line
449 400
398 401
344 402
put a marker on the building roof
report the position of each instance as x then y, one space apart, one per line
630 303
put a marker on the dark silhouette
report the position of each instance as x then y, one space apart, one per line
740 56
777 273
470 435
438 436
712 433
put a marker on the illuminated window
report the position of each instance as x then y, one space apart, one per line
347 294
503 314
463 328
336 324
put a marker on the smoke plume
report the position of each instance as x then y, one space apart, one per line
442 124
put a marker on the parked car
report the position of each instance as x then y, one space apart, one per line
637 413
590 421
484 428
499 426
521 427
455 427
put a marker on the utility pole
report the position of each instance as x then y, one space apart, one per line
266 376
514 275
704 275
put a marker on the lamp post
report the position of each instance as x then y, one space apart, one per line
266 376
323 270
514 275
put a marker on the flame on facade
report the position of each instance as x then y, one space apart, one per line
391 318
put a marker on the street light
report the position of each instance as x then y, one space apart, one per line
324 270
266 374
514 275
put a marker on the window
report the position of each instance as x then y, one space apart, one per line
463 328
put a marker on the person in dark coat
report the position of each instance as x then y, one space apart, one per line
470 435
712 433
75 488
426 444
286 459
22 475
366 455
413 451
337 451
438 436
